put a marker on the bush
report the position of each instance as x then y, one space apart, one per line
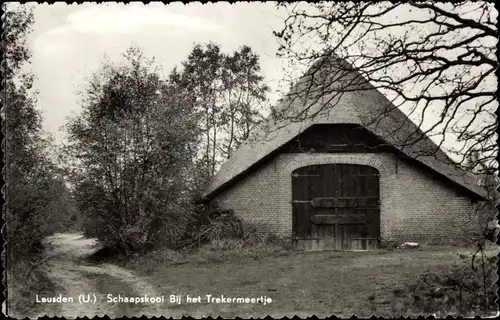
256 235
136 180
23 283
457 291
31 214
211 223
219 234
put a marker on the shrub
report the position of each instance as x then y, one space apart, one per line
256 235
211 223
23 283
137 176
216 231
458 290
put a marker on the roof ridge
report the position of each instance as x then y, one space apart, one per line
273 134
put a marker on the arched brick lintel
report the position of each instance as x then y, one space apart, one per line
303 160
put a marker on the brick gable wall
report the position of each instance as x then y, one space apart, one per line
414 206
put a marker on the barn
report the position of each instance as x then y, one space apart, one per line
354 174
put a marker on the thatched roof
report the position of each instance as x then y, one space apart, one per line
346 97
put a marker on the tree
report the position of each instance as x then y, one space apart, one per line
427 57
245 93
434 61
201 76
230 95
132 151
31 176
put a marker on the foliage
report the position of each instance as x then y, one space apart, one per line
229 93
38 202
131 153
211 223
456 290
217 229
37 199
23 282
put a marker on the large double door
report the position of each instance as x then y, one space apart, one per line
336 207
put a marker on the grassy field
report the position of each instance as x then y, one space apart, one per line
299 283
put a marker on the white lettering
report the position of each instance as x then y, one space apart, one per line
57 299
224 299
134 299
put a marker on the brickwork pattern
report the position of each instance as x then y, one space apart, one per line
414 206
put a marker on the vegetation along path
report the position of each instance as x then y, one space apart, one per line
69 269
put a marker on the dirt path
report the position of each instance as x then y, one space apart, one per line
68 269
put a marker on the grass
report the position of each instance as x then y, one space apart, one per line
22 289
299 283
103 286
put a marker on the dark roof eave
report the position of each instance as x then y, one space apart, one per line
471 193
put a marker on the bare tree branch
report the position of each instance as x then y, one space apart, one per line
427 57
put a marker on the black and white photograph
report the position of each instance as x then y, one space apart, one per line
250 159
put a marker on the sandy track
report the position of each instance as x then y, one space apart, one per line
68 270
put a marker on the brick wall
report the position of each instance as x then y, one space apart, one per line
414 206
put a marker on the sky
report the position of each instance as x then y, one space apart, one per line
69 43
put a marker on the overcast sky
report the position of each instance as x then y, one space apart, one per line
69 42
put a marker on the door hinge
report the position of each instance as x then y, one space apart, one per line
300 201
296 175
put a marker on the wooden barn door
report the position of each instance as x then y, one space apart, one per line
336 207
